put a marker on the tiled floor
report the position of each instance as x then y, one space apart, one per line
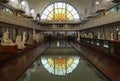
107 65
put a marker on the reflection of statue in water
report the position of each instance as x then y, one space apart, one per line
58 43
6 40
21 42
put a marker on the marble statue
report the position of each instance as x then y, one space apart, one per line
5 39
24 37
111 36
36 37
34 34
30 40
90 35
21 42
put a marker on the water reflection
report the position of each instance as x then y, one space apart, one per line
60 44
61 63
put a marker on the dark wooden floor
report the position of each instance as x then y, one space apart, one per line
12 66
107 65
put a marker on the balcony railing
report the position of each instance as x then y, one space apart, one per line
60 28
105 19
12 19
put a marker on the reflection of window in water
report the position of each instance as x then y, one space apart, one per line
60 65
61 43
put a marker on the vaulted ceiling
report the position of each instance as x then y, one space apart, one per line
80 5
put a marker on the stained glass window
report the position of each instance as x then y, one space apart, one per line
60 12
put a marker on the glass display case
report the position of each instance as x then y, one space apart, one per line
110 47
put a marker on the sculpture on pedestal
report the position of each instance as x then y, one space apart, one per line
111 36
5 39
20 42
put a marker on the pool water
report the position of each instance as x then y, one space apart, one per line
61 62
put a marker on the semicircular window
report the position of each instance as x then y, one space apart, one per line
60 12
60 65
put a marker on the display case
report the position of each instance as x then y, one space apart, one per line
110 47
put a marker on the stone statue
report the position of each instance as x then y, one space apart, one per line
20 42
30 40
111 36
24 37
5 39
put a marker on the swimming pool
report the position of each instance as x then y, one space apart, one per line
61 62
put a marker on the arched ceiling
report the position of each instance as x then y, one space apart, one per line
80 5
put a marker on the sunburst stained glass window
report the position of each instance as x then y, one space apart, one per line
60 12
60 65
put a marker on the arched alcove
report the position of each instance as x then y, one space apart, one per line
33 13
26 5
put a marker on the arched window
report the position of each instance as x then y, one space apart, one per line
60 12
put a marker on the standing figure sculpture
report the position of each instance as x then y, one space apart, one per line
21 42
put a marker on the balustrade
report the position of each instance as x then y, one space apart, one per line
59 28
105 19
12 19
